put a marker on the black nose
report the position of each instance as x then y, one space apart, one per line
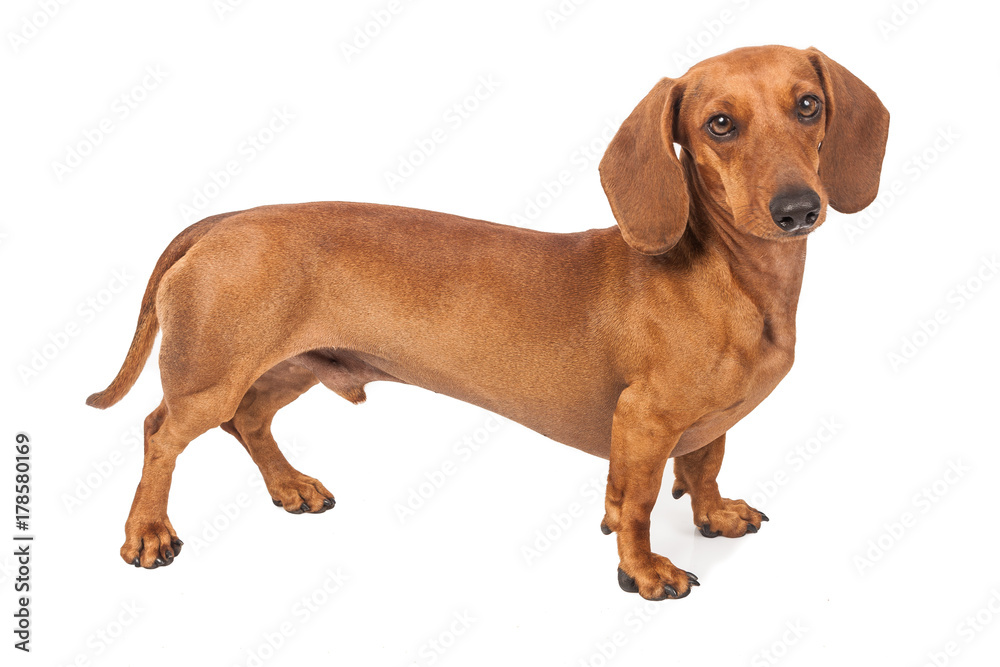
796 209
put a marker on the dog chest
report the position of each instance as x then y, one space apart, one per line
740 388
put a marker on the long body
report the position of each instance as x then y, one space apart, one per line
546 329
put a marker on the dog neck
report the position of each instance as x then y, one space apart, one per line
768 271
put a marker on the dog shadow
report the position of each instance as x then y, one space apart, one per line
672 534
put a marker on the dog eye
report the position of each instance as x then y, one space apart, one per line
808 107
721 125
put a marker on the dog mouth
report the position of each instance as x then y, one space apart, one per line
790 235
805 231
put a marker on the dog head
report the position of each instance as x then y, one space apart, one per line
774 135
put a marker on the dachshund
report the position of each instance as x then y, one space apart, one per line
638 343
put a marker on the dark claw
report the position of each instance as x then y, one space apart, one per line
669 593
176 543
605 529
751 528
168 554
677 493
329 502
763 517
135 561
304 507
707 531
691 576
686 593
277 503
626 582
159 561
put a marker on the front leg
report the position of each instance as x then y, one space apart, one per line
642 438
695 474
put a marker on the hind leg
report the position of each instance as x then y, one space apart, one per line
229 309
251 425
150 539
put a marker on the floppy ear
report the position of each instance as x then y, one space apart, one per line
857 125
642 176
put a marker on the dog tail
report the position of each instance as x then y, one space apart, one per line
148 325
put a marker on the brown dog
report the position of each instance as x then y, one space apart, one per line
635 343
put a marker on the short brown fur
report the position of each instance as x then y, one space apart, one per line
636 343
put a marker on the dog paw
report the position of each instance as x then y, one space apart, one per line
729 518
656 578
150 544
300 494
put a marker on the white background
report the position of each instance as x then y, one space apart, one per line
897 429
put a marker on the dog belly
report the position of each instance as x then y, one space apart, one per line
579 419
583 426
